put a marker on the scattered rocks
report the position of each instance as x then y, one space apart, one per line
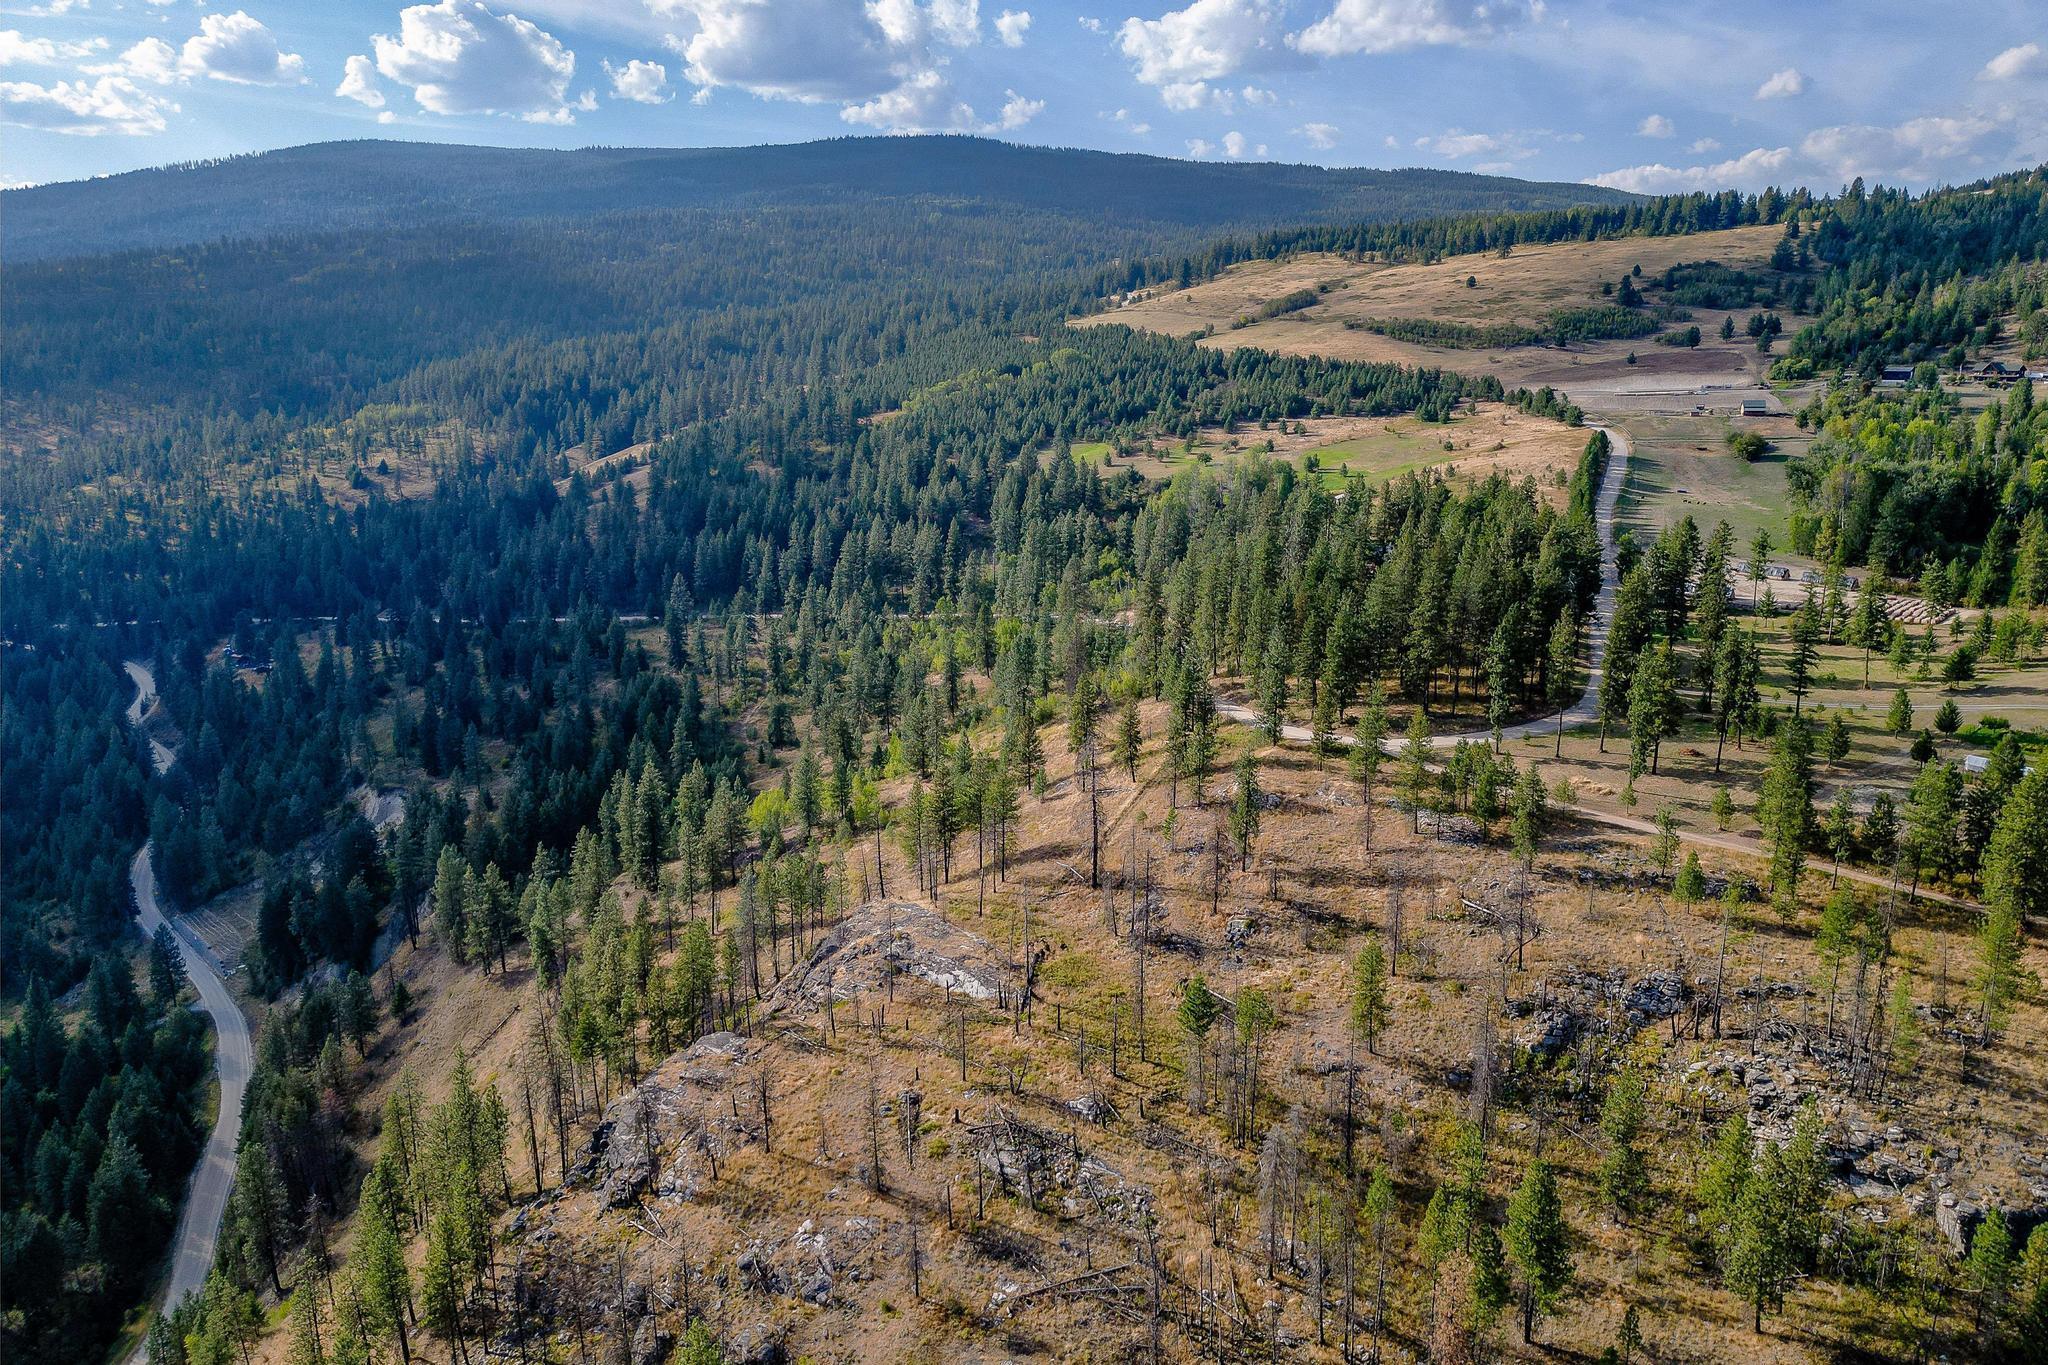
1094 1107
1550 1033
1657 996
1039 1164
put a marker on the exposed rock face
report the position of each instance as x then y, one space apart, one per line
888 939
664 1133
1958 1219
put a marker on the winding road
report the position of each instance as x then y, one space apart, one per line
234 1056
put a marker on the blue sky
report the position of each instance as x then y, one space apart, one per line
1644 94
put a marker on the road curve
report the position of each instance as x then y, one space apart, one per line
161 755
234 1056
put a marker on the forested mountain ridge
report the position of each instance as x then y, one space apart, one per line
890 586
377 184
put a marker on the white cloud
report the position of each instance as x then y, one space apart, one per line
1457 144
459 57
240 50
1257 97
1210 39
1182 96
1321 136
1018 111
1131 122
954 22
1233 143
1371 26
387 117
1199 147
1012 25
1704 145
1916 150
359 82
1655 125
111 104
1782 85
1091 23
17 49
1752 170
881 61
925 102
640 82
2012 63
152 60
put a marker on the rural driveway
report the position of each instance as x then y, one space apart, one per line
1586 709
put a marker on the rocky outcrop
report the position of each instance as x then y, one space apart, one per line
887 941
662 1137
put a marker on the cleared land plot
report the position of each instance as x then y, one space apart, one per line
1682 466
1478 442
1524 287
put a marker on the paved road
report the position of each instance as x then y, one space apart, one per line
234 1056
161 755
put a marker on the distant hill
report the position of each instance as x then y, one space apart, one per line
341 185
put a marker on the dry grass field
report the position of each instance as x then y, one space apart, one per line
1523 287
1479 441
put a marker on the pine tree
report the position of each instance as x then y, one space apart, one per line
1530 817
1629 1339
442 1283
1804 652
1560 670
1759 1258
1369 753
1538 1244
1130 737
1989 1274
1492 1288
2015 864
1652 710
1624 1175
1785 809
303 1346
1196 1014
1244 807
1690 886
2000 975
1416 786
1369 1006
1722 1180
1932 811
379 1263
2030 1305
450 903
